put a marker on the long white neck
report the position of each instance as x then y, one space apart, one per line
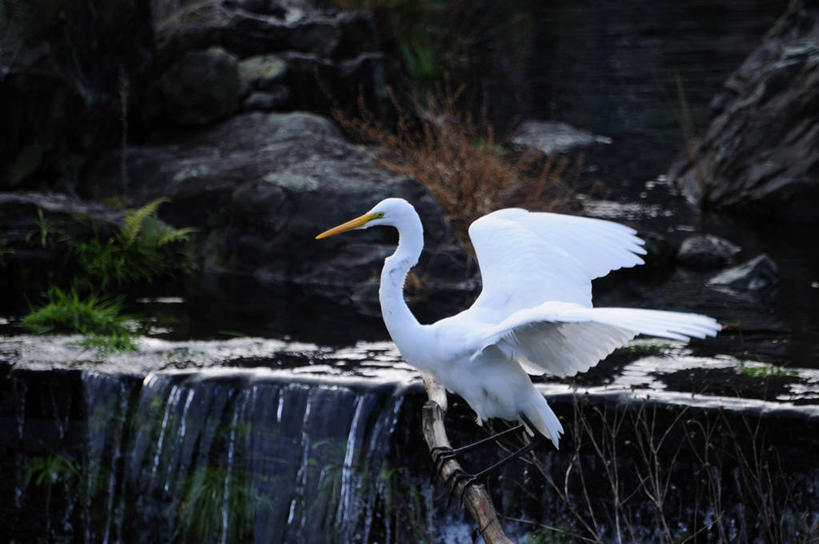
401 324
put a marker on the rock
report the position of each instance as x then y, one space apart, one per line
327 59
265 7
259 187
320 85
549 137
201 87
267 101
759 155
35 229
751 277
260 73
706 251
67 71
245 33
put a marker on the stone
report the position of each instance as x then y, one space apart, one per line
551 138
259 187
706 251
332 58
68 69
246 33
265 7
201 87
759 155
35 229
260 72
751 277
267 101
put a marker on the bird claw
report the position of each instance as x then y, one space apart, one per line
453 485
462 479
440 455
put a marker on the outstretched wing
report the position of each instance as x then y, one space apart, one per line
528 258
563 339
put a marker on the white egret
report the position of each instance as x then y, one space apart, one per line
534 314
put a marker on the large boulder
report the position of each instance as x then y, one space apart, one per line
201 87
760 154
259 187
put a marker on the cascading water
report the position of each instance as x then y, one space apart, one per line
220 455
266 441
246 457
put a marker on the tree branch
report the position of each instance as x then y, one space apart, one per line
475 497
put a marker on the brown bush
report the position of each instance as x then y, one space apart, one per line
460 162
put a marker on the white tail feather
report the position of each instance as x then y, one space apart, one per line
538 412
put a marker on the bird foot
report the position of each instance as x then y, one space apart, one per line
440 455
463 480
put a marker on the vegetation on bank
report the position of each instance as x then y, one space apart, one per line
458 159
142 251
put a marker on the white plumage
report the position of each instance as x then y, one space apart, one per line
534 314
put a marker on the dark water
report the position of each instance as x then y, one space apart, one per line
608 67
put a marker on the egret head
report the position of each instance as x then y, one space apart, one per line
389 212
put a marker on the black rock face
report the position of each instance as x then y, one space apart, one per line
759 155
66 78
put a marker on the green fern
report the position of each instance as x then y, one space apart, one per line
134 220
175 235
140 252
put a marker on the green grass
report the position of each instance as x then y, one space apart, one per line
113 343
100 319
206 496
142 250
49 470
645 349
766 371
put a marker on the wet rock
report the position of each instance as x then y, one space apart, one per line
706 251
751 277
201 87
758 156
259 187
550 137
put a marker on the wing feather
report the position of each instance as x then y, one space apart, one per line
528 258
563 339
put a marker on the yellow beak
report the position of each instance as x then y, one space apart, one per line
349 225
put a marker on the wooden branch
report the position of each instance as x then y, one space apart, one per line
475 497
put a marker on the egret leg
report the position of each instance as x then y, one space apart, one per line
441 454
472 479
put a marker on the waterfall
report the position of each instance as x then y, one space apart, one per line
219 455
250 456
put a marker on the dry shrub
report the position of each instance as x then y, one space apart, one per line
460 162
